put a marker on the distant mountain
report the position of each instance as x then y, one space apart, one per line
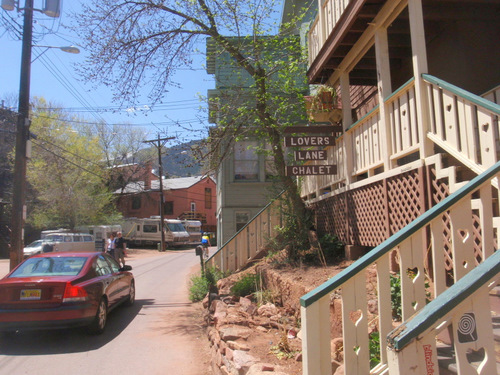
178 161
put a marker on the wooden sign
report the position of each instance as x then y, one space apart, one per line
310 140
314 129
310 155
310 170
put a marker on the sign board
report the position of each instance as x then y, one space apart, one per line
310 140
310 170
310 155
314 129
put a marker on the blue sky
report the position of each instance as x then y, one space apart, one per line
53 77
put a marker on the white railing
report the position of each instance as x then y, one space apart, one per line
366 147
328 16
463 124
411 248
248 241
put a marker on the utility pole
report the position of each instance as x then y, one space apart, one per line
158 144
18 215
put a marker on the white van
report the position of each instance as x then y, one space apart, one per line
76 242
193 227
147 232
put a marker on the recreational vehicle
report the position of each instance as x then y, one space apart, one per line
193 227
147 232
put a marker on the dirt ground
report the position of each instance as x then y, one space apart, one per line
286 284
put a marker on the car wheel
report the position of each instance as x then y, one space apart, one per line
131 295
99 323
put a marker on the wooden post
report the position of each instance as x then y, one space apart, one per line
384 90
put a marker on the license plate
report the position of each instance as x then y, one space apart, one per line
30 294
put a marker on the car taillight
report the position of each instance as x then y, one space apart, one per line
74 294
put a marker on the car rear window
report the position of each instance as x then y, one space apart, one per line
50 266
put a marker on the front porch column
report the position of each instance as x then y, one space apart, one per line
347 145
384 90
419 53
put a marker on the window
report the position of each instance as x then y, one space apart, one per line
193 206
102 267
208 198
242 219
150 228
246 161
168 208
136 202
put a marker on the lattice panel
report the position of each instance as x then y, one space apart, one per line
366 215
439 191
331 217
405 200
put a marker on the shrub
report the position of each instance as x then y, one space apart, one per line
248 284
198 289
332 247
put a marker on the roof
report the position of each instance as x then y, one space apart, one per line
168 184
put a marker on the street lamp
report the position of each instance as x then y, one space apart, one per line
68 49
52 9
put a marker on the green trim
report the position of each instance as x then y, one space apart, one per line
247 224
395 93
444 303
389 244
403 87
463 93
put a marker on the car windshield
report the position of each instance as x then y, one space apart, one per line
176 227
50 266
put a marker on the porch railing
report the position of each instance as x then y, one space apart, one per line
411 244
329 14
463 124
249 240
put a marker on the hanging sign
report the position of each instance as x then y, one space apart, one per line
310 155
310 170
310 140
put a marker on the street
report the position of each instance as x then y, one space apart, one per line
160 333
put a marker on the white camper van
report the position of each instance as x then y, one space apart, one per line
147 232
193 227
77 242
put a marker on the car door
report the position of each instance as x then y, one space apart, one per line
108 278
121 278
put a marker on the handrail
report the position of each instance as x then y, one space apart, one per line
389 244
463 93
444 303
246 225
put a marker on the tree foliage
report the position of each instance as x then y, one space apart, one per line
137 44
65 172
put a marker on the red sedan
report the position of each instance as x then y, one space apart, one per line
60 290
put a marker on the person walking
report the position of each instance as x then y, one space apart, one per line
111 245
120 247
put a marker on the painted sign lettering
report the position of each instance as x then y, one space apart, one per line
310 155
312 140
310 170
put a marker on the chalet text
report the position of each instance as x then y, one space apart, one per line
310 170
311 140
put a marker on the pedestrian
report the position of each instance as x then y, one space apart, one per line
205 242
120 247
111 245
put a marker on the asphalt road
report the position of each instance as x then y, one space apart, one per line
160 334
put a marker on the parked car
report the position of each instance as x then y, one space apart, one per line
38 247
61 290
